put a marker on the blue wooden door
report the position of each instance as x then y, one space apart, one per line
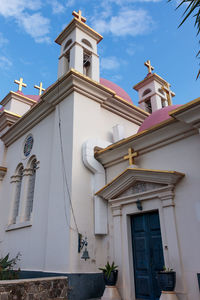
147 254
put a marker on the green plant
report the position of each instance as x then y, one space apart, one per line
165 269
7 271
108 269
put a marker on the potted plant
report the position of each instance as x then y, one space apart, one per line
167 279
110 274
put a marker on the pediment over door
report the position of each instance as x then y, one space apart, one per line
136 181
140 187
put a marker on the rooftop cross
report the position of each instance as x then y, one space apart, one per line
149 66
40 88
130 156
78 15
20 83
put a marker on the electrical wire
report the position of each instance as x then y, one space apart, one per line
65 176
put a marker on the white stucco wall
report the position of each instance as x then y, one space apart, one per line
17 107
27 240
90 121
50 244
44 245
181 156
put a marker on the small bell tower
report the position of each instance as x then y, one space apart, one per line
154 92
79 48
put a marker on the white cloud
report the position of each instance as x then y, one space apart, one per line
57 7
13 8
130 51
70 3
5 63
34 24
3 40
109 63
116 77
126 2
127 22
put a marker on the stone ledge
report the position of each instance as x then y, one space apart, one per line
51 288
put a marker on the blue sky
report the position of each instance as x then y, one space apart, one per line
133 31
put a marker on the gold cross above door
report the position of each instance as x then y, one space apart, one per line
131 155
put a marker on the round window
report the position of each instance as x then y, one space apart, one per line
28 145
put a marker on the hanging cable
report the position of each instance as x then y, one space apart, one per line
65 175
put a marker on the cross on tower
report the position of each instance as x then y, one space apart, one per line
169 93
20 83
40 88
149 66
130 156
78 15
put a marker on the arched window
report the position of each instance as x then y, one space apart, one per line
148 106
146 92
67 44
17 180
86 64
86 42
31 187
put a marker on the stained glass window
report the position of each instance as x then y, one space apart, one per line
28 145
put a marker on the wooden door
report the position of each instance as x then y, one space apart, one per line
147 254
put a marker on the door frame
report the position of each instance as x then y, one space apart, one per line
123 208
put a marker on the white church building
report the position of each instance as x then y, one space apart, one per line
80 162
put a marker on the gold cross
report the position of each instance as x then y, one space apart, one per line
20 83
169 93
40 88
130 156
149 66
78 15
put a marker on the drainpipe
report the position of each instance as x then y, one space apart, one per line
100 205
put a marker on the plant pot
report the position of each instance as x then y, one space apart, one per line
167 280
112 280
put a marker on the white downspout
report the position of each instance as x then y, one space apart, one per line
100 205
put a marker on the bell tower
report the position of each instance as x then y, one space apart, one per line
79 48
154 92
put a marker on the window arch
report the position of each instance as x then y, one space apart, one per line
17 179
31 166
86 42
67 44
146 92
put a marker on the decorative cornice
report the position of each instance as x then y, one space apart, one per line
131 175
19 97
184 107
188 113
7 119
148 79
64 86
3 171
75 23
